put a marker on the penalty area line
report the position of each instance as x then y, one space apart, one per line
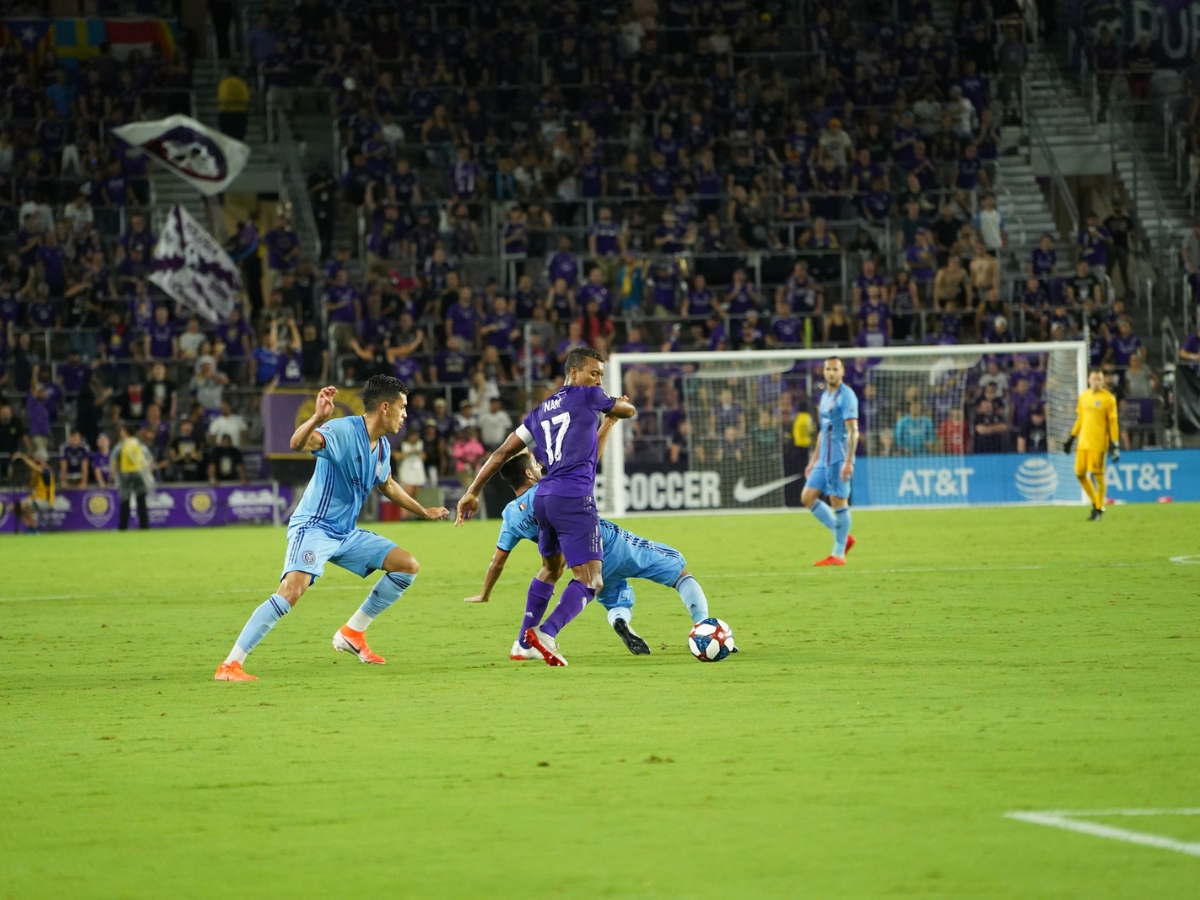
1069 820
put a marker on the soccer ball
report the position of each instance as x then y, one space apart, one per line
711 640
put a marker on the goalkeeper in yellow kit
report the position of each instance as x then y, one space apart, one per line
1098 432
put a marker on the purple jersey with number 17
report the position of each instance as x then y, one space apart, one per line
564 426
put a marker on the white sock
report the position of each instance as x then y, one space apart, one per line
359 621
236 655
619 612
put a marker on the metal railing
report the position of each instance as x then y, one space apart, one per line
1060 196
294 191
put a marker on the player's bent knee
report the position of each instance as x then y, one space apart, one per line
401 561
293 585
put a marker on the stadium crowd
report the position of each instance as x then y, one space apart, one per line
667 175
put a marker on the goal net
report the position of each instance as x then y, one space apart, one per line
948 425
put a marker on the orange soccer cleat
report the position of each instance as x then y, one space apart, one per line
831 561
850 542
347 640
232 672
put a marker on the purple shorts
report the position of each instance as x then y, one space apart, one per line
568 525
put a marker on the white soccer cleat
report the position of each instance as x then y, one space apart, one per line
519 652
547 646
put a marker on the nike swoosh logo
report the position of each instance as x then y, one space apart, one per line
743 494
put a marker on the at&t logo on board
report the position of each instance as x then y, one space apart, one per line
1036 479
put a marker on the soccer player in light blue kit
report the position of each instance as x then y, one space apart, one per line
566 424
625 556
832 465
353 458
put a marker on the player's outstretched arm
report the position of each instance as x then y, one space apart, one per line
468 504
305 437
494 570
401 498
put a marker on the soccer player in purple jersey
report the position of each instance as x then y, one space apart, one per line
566 426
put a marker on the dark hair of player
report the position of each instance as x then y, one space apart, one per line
576 358
1096 369
829 359
513 471
381 389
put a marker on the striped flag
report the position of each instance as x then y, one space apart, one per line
193 269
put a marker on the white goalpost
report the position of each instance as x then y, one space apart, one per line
715 430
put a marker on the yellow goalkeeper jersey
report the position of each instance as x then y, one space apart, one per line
1096 421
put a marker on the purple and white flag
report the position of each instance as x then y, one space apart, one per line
193 269
201 156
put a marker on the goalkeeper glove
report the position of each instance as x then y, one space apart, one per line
1114 453
1068 444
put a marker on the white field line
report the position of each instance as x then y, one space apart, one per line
803 573
1068 820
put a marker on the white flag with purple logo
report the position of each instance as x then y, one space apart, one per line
201 156
193 269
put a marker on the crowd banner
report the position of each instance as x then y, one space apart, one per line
1173 27
286 409
203 157
193 269
76 40
183 506
1140 476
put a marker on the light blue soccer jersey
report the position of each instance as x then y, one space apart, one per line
836 408
626 555
347 471
517 522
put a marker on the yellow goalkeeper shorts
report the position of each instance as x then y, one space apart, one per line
1089 461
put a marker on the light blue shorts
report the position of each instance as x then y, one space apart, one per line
360 552
630 556
827 478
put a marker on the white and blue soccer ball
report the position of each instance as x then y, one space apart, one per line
711 640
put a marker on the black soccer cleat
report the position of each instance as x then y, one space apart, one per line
1096 516
636 645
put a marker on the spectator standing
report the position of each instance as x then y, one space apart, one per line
989 223
233 104
1094 242
226 463
495 424
1120 227
914 432
187 452
227 424
989 428
132 462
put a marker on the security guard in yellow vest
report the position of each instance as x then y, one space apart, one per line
130 463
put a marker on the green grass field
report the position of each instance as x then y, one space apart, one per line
867 741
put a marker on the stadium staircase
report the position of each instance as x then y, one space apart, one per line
1065 140
262 172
